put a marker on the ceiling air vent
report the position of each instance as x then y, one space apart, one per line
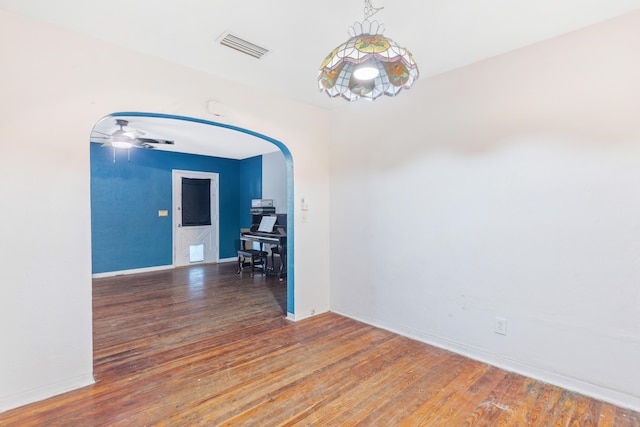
229 40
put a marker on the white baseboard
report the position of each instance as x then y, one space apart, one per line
291 316
573 384
132 271
24 398
148 269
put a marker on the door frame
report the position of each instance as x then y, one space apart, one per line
176 175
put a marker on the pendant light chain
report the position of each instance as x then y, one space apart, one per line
369 10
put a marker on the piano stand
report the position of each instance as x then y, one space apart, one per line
278 245
281 251
252 258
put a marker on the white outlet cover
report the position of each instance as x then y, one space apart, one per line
501 326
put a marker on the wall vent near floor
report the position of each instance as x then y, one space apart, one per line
241 45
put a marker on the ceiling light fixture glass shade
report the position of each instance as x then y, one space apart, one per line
367 65
121 143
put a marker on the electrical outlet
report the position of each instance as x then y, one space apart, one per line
501 326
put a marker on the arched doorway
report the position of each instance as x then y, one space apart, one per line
289 179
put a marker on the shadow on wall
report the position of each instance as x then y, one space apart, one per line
580 88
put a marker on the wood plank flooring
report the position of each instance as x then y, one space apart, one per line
203 346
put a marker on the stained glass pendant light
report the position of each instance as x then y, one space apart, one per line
367 65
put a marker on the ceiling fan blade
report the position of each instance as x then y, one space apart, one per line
102 133
155 141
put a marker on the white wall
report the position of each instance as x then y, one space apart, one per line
55 86
274 180
508 188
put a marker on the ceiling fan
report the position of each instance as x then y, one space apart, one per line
125 138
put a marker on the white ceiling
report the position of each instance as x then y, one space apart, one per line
442 35
189 137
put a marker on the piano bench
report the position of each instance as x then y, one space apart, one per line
252 258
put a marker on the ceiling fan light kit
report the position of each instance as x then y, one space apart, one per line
121 144
126 139
367 65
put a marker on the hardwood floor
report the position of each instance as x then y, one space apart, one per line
204 346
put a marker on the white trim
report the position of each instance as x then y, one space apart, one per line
45 392
573 384
132 271
150 269
214 177
291 316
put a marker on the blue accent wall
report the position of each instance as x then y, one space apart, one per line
126 232
250 187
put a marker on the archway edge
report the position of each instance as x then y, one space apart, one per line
290 200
